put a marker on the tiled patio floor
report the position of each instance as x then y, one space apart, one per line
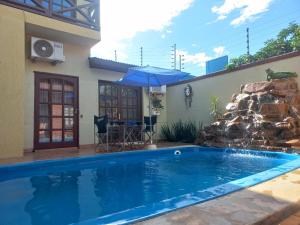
292 220
267 203
72 152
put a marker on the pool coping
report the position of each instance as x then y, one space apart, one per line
166 206
267 203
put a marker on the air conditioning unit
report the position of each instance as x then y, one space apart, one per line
158 90
45 50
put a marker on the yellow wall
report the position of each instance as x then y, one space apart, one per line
76 64
12 66
16 74
222 86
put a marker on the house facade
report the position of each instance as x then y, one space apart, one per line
51 103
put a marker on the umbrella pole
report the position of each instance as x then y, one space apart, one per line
150 110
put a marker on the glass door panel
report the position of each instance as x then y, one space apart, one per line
56 119
119 102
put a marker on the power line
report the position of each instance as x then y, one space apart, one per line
181 62
116 58
173 56
247 36
141 56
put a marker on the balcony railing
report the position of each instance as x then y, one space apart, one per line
80 12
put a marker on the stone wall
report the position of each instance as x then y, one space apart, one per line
263 114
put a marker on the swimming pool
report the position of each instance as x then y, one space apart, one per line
129 186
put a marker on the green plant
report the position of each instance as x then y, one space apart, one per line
215 109
166 133
156 103
230 66
190 132
180 132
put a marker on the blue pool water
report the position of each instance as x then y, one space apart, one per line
124 187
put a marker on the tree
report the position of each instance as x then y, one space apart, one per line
287 40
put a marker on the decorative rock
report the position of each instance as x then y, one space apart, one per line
294 99
264 115
257 87
237 119
228 115
243 104
253 105
242 112
283 125
265 124
293 142
270 109
231 106
234 130
241 97
265 97
285 84
233 97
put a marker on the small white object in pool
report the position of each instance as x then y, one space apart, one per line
177 152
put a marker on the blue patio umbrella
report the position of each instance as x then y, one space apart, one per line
149 76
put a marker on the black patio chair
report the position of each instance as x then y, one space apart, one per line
149 129
100 122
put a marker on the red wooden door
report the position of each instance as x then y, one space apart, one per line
120 103
56 111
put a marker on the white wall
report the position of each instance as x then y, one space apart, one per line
162 118
222 86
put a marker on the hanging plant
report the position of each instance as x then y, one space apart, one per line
156 103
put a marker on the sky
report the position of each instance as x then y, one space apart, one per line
202 30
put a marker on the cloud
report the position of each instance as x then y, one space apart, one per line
122 20
197 59
200 58
163 36
249 9
219 51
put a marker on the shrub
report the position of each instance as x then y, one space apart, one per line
180 131
166 133
189 132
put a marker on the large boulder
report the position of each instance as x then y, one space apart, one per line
257 87
274 109
241 97
294 99
265 97
234 130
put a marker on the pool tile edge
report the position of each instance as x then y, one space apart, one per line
263 204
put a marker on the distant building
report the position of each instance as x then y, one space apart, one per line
217 64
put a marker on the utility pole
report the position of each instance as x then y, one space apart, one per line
181 62
141 56
173 58
116 58
248 48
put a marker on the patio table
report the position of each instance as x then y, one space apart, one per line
124 133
